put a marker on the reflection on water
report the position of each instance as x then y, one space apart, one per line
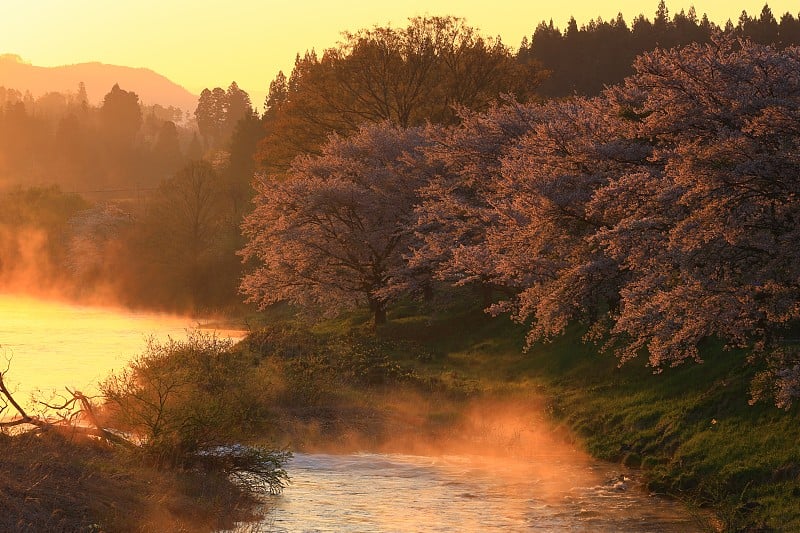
390 492
53 344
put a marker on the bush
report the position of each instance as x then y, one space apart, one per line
181 399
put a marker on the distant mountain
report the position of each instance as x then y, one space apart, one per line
152 88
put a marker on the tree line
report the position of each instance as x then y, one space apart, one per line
583 60
660 214
59 138
165 229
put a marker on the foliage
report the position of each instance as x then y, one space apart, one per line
337 229
111 150
584 60
33 235
454 215
179 253
406 76
318 368
661 213
708 243
184 398
121 116
219 111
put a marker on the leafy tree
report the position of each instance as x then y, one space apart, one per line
121 116
237 107
175 246
211 115
544 238
167 149
278 94
662 213
405 75
218 111
33 247
334 233
454 213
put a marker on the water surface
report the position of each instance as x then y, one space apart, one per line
399 493
48 345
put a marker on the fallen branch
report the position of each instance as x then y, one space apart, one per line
76 397
24 417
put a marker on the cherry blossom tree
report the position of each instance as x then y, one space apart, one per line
333 234
663 213
710 241
543 238
454 213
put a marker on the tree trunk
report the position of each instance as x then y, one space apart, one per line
378 308
427 292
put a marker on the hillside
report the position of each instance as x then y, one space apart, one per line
152 88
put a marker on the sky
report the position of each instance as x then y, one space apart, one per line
209 43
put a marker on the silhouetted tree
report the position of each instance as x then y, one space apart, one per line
167 150
121 116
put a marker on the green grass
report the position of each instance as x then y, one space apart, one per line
690 428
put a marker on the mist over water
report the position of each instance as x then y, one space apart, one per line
501 467
51 344
397 493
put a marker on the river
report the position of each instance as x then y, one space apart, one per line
365 492
49 345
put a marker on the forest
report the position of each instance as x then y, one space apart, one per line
656 205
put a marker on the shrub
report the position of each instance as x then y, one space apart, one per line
185 402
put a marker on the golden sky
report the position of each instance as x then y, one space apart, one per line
208 43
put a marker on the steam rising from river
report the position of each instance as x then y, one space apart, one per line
490 431
497 465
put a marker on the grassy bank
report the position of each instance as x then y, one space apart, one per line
690 429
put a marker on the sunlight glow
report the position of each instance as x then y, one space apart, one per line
205 43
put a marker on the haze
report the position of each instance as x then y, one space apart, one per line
202 43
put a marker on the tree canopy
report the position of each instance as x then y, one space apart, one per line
423 72
334 233
660 214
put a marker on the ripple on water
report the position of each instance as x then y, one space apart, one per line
388 493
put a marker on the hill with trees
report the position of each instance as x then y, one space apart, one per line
152 88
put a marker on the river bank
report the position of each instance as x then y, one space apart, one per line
452 382
690 432
55 482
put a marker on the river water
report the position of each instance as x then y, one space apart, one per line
397 493
49 345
